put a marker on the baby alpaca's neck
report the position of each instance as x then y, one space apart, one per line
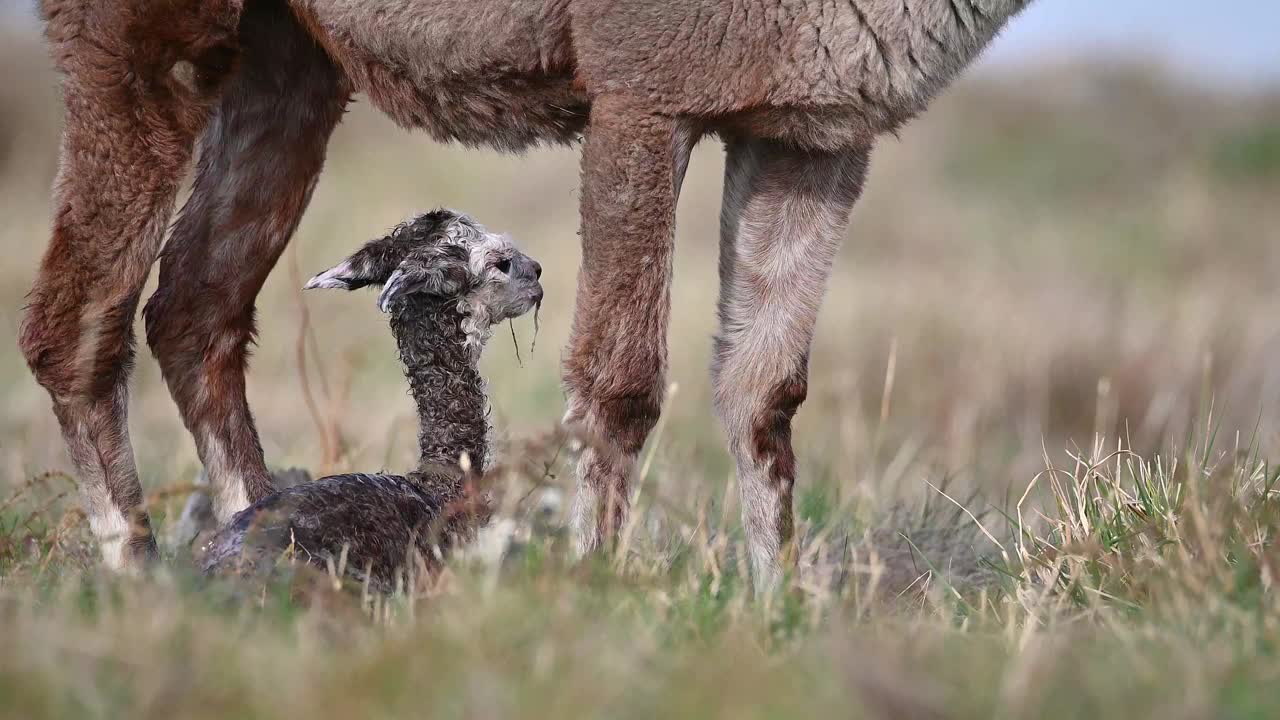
440 365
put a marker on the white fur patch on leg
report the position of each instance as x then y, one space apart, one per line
112 531
585 515
109 525
761 507
227 487
184 73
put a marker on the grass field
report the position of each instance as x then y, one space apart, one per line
1037 458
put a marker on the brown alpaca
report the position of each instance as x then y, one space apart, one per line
798 90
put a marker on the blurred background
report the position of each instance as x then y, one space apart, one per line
1081 238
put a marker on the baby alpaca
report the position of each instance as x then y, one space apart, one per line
445 282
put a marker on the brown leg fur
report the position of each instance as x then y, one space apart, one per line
259 160
784 214
133 110
632 164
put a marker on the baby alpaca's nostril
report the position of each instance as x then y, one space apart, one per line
537 269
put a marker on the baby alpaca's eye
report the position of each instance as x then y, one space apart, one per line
504 266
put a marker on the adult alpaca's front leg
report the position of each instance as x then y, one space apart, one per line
784 214
132 112
632 165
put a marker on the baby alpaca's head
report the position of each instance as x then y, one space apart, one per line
448 259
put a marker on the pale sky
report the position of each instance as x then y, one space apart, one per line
1210 40
1235 40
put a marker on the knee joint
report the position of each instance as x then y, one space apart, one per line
624 421
158 321
181 333
39 349
83 355
757 413
771 424
619 407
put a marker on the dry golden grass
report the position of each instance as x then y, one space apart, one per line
1041 261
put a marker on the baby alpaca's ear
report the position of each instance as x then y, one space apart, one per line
443 274
370 265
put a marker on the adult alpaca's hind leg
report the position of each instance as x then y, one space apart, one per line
132 111
259 159
784 214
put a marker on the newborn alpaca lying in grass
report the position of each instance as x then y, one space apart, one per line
445 282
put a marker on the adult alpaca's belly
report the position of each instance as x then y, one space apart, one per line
515 73
481 72
809 71
510 113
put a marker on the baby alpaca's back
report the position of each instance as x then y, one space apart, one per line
378 518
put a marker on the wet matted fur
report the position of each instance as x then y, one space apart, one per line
445 281
799 90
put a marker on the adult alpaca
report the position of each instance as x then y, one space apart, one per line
798 90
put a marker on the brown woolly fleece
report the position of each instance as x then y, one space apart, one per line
798 90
